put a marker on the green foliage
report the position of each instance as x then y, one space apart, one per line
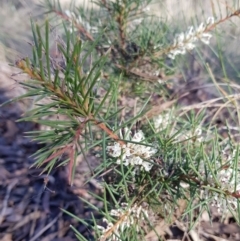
110 68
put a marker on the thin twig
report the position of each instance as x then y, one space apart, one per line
45 228
5 201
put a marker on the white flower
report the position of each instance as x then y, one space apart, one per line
115 150
78 20
127 217
227 180
70 14
134 154
160 122
194 135
210 20
206 38
185 41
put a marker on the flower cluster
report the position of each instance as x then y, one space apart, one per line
186 41
161 121
227 181
127 217
79 21
134 153
223 201
195 135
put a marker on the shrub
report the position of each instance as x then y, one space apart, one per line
112 82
